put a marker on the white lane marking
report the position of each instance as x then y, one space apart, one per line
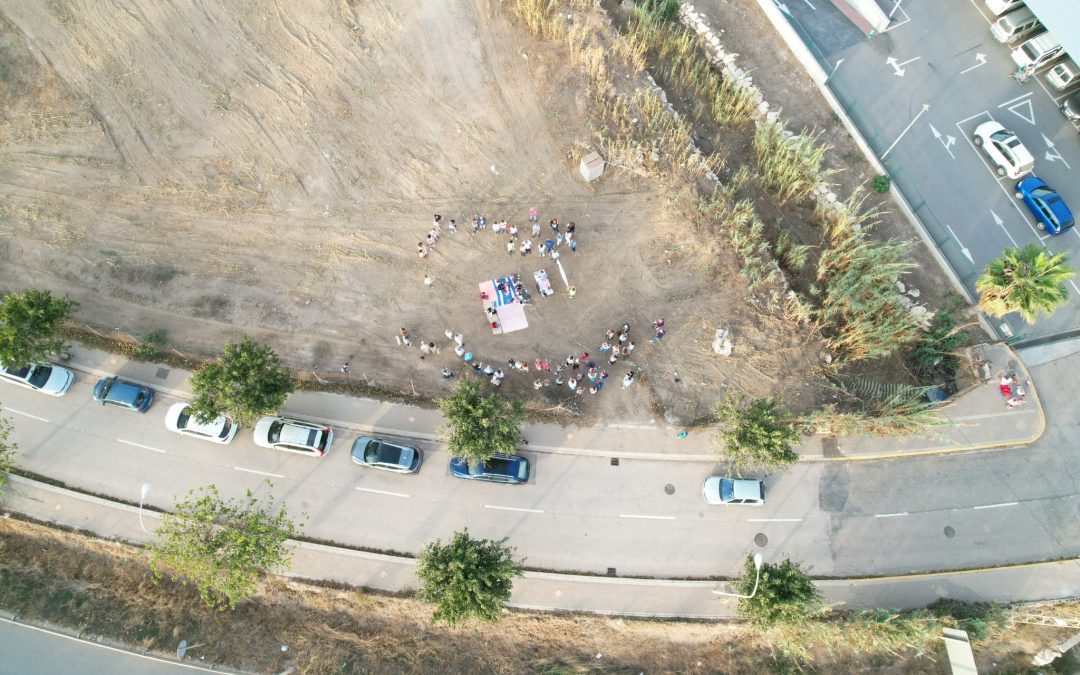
140 445
261 473
890 515
774 520
995 506
25 414
632 515
511 508
383 492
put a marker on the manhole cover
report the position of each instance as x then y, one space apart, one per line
669 489
761 540
611 571
614 461
949 532
162 373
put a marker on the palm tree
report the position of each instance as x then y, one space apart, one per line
1029 280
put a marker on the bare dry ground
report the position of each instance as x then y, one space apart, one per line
207 168
104 591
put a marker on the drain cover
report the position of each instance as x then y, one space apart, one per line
162 373
669 489
614 461
761 540
611 571
949 532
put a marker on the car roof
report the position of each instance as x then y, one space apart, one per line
213 427
295 432
123 391
746 489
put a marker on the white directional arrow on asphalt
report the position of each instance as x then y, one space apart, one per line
898 66
981 58
1001 224
1052 153
782 7
948 142
967 253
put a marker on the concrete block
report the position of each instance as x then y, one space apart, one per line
592 166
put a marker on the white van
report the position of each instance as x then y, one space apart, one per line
1014 24
1063 75
1036 51
999 7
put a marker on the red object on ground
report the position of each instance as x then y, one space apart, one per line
1005 390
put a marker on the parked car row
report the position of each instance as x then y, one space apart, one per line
313 439
1012 159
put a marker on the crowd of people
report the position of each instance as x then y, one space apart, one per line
524 246
577 372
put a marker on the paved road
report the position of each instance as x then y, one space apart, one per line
950 61
32 651
581 513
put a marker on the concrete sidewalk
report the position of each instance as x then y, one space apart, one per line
979 419
567 592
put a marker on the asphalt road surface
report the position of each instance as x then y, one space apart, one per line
581 513
942 54
31 651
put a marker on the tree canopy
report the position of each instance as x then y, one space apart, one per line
467 578
785 594
1028 280
29 322
248 381
222 546
755 434
478 426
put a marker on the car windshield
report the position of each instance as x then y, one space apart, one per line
1003 137
140 398
1031 50
389 454
727 490
182 420
275 431
20 373
1041 193
225 429
40 376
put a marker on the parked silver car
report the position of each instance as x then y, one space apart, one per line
43 377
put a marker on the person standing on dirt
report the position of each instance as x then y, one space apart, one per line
535 229
513 232
510 248
554 225
532 214
629 379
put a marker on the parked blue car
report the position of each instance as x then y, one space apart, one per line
508 469
119 393
1045 204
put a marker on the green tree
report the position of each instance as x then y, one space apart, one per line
478 426
7 452
222 546
29 322
246 382
785 594
1029 280
755 434
467 577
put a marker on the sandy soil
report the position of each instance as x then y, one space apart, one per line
207 168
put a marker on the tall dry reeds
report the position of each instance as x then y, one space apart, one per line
791 166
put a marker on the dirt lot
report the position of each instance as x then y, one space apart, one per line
104 590
212 168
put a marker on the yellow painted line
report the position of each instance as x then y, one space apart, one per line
975 570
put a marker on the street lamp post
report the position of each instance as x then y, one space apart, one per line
757 580
142 498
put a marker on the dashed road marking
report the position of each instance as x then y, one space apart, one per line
995 506
383 492
26 414
140 445
261 473
774 520
512 508
890 515
634 515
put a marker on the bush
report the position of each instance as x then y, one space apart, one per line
785 594
932 356
754 434
663 10
882 184
151 345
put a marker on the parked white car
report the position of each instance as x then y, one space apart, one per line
43 377
179 419
1006 152
290 435
724 490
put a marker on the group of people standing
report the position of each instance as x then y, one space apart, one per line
546 247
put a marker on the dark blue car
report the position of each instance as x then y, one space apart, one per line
508 469
118 393
1045 204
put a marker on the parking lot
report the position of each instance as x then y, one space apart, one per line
918 91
